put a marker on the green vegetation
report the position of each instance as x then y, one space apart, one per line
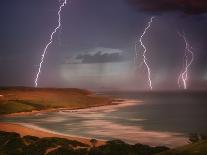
198 148
118 147
195 137
21 99
14 106
93 142
13 144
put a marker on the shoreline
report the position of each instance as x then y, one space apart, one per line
32 131
28 129
115 102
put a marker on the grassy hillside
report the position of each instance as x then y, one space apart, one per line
21 99
13 144
199 148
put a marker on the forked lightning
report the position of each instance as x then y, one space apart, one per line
188 60
50 42
144 52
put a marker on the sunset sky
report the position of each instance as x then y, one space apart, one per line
95 47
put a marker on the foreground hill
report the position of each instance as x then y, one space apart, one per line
22 99
199 148
13 144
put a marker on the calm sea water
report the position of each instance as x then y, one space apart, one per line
161 119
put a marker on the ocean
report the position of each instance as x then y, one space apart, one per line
161 118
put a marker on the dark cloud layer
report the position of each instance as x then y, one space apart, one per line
160 6
100 57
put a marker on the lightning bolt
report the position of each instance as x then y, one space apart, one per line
136 58
144 52
188 60
50 41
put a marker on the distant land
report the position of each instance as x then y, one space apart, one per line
24 99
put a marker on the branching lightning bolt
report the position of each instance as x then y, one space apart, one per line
188 59
50 41
145 51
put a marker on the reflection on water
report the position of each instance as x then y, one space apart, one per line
155 121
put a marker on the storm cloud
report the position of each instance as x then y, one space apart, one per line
100 57
191 7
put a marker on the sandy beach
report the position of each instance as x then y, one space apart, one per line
27 129
23 131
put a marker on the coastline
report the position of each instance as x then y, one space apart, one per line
114 103
27 129
24 130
